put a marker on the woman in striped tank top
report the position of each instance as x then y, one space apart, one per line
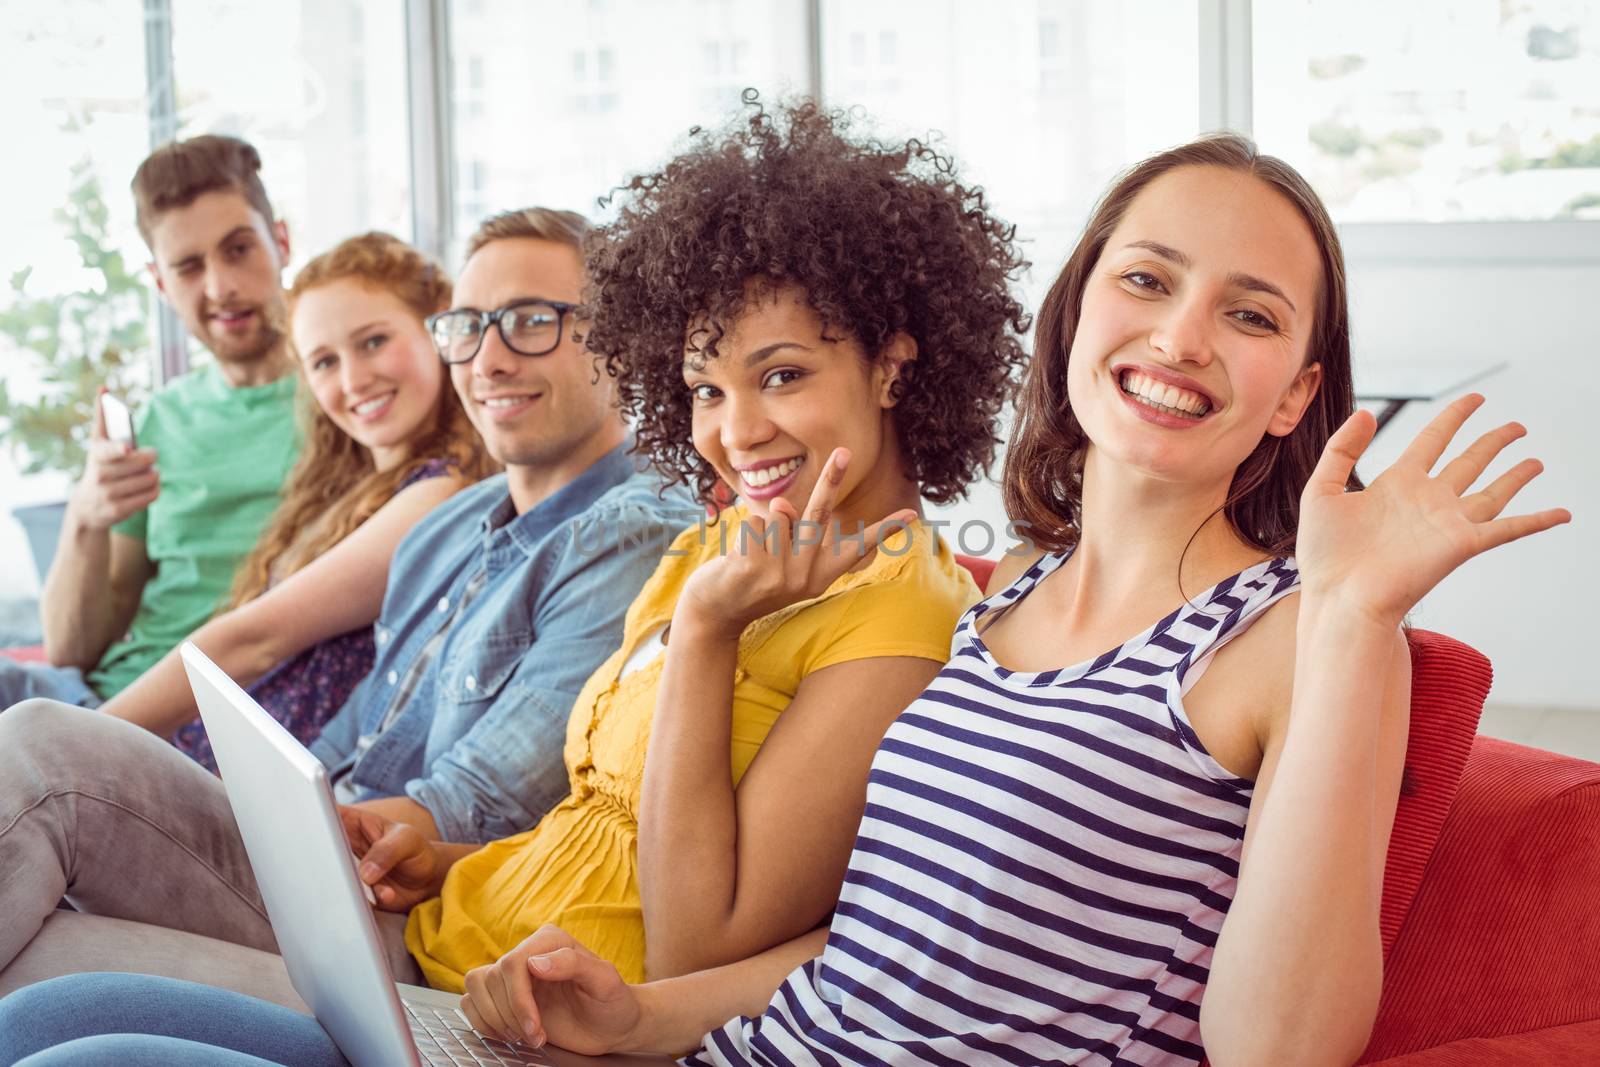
1140 816
1082 846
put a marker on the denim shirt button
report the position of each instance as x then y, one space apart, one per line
443 605
471 683
382 636
394 677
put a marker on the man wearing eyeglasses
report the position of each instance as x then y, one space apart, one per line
500 604
507 597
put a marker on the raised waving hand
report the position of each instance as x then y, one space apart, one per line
1382 549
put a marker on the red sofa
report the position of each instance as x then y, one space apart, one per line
1491 897
1495 960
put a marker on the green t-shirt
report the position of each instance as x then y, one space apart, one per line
223 454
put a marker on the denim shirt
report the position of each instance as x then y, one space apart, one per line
479 740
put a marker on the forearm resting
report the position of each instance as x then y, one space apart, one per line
161 701
688 822
76 610
678 1012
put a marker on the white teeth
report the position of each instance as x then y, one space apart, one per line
767 475
503 401
368 406
1163 396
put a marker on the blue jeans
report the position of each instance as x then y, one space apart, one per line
134 1020
22 681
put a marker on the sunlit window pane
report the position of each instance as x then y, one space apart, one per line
1040 103
72 76
1435 110
555 102
319 87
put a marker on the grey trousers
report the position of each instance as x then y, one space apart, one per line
142 842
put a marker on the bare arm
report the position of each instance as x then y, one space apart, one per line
678 1012
551 988
341 590
725 873
92 591
91 595
1298 982
1298 967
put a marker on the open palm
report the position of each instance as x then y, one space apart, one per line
1382 549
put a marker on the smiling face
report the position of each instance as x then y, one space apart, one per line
219 264
779 397
536 412
370 365
1195 326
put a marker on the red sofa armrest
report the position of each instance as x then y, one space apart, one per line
1503 935
1449 682
1572 1045
979 568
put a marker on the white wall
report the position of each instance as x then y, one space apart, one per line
1533 608
1530 607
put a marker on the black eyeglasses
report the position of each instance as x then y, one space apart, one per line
528 327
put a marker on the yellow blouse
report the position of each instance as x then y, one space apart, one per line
578 868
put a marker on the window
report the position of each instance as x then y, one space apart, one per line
1436 110
320 90
578 97
1029 109
74 82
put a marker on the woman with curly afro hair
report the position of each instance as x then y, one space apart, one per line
825 326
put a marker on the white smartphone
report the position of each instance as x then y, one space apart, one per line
119 420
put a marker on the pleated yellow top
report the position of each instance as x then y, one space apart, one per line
578 868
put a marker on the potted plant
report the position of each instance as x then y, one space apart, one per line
62 348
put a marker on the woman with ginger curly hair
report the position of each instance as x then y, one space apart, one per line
386 440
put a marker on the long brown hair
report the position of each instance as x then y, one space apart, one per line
1044 466
335 486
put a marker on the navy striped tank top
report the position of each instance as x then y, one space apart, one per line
1043 867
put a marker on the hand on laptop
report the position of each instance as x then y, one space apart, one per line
402 866
551 988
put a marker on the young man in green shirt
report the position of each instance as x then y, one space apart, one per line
153 533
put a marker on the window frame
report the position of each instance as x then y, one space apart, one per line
1225 104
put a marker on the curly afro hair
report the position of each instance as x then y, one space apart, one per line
881 239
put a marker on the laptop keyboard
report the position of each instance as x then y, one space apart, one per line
445 1039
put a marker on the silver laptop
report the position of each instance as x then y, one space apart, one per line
285 810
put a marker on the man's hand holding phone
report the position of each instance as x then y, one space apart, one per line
119 478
